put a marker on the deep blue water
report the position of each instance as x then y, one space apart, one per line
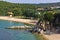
8 34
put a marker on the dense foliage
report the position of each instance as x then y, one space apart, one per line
27 10
48 16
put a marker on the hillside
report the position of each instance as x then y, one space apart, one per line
48 4
7 6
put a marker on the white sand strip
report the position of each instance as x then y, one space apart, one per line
18 20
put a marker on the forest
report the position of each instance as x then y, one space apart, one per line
26 10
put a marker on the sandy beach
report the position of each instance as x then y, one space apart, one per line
18 20
53 37
49 37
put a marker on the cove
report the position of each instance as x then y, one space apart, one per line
7 34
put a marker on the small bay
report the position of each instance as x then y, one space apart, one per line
8 34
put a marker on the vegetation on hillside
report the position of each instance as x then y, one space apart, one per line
17 9
26 10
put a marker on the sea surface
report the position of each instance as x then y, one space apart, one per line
8 34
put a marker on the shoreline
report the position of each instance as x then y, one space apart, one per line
27 21
40 36
33 22
53 36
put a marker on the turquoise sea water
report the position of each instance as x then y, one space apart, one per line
8 34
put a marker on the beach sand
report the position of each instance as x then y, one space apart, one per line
53 37
19 20
49 37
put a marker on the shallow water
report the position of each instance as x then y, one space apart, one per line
7 34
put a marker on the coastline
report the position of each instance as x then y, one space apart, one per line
33 22
53 37
27 21
40 36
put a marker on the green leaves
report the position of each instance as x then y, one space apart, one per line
17 9
48 16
